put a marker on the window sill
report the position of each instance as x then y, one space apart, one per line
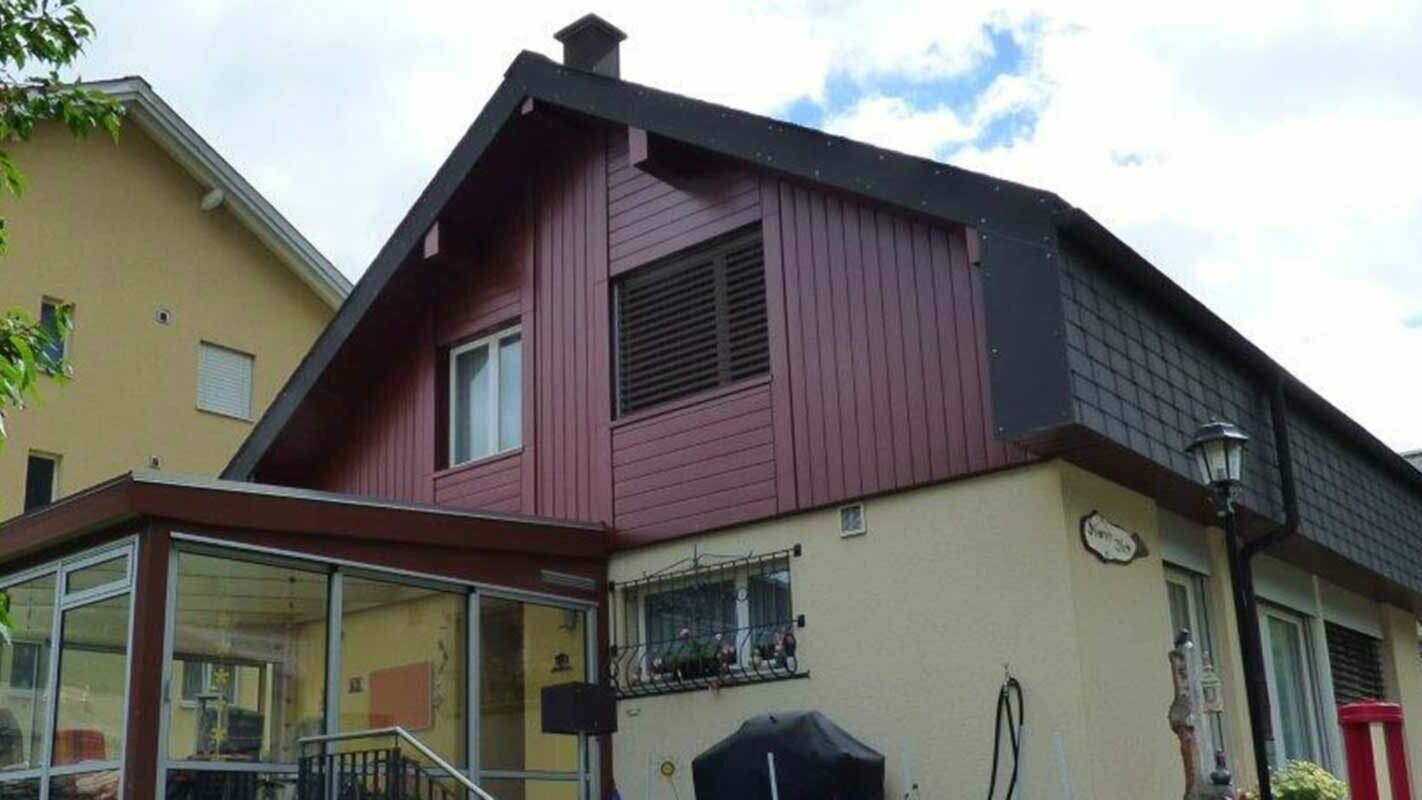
223 415
682 403
482 461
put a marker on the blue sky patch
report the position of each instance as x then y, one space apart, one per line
960 92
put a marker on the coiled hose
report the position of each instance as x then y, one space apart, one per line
1014 725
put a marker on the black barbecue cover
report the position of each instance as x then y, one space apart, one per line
815 759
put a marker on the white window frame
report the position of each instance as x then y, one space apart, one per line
337 570
494 342
1312 680
65 602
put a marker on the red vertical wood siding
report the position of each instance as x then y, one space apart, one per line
698 466
878 357
649 218
886 349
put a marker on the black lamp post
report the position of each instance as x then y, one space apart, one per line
1218 449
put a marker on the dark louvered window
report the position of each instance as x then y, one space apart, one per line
1356 663
691 322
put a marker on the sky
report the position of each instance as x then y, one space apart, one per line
1264 155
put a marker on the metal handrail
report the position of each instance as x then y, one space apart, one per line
401 733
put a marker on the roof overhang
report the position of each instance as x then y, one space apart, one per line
199 159
186 501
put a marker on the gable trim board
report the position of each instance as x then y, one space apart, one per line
1020 235
186 146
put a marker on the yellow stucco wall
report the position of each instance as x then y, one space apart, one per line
117 230
909 626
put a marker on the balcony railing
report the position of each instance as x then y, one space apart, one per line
405 769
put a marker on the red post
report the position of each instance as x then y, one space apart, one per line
1376 751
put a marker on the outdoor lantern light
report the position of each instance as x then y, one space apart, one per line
1218 448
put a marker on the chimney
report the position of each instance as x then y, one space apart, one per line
591 44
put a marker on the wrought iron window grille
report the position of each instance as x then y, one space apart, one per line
706 621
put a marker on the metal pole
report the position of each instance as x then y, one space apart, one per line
774 781
1251 648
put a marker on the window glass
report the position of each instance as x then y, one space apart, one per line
249 660
206 681
100 785
486 407
680 619
53 351
523 648
22 789
472 404
93 672
24 673
403 663
510 392
101 574
40 474
1289 676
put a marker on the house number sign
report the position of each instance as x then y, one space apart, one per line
1110 542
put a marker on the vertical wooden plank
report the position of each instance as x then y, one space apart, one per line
777 321
809 305
795 341
546 456
943 267
930 341
844 349
876 322
828 391
532 344
968 345
578 343
889 274
601 337
561 246
913 350
857 298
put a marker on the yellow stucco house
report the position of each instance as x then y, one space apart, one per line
194 300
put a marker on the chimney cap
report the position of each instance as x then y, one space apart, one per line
592 23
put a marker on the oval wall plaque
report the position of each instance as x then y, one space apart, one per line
1110 542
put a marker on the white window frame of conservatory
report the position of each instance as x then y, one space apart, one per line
1317 696
495 343
336 569
61 568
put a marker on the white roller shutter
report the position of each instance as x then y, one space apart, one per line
224 384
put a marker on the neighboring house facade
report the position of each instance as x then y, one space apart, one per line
732 417
194 300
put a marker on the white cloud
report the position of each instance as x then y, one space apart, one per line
1263 154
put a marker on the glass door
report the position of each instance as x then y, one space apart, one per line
1292 699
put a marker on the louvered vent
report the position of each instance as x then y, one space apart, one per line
692 322
1356 664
